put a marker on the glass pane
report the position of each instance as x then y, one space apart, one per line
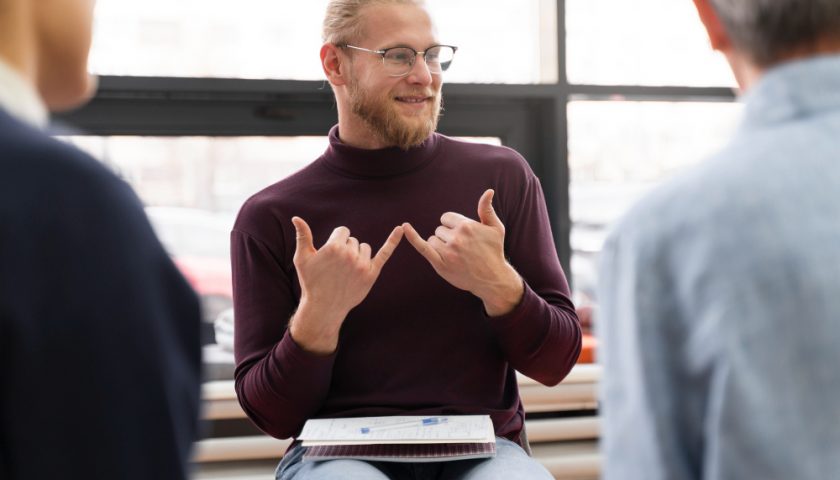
214 174
499 41
282 39
645 42
618 151
192 188
208 38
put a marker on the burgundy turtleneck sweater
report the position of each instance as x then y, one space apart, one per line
416 345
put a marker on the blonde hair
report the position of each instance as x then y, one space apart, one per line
342 22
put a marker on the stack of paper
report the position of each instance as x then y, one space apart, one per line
400 438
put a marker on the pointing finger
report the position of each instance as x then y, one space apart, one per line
421 245
387 249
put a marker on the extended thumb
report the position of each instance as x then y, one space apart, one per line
303 235
486 213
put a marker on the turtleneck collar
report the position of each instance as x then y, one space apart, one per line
378 163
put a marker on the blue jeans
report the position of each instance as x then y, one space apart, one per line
510 463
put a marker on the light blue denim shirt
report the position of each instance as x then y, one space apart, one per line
720 302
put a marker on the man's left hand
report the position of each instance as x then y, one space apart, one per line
471 256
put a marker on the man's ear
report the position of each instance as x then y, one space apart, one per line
335 65
714 27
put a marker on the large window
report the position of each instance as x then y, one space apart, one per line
204 103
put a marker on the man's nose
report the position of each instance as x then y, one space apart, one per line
420 73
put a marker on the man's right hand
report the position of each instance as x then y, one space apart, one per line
333 280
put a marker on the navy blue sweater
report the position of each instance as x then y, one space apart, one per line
99 332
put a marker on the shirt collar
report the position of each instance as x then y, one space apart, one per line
378 163
19 98
792 90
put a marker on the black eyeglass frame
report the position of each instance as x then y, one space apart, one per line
385 51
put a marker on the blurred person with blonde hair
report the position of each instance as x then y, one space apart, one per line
99 333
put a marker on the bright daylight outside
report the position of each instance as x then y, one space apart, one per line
193 186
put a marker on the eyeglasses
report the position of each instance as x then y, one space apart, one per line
399 61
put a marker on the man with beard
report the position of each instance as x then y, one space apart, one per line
437 326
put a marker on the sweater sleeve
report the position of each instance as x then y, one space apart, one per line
279 384
541 336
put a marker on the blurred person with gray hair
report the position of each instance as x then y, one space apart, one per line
720 306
